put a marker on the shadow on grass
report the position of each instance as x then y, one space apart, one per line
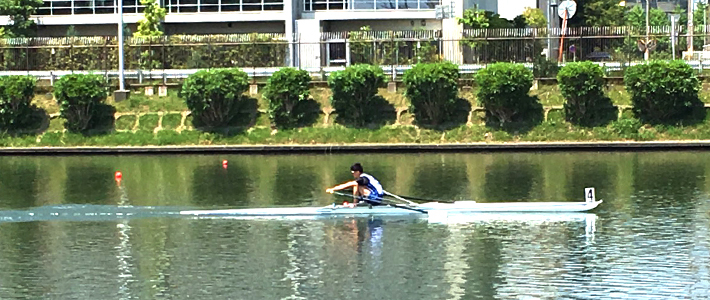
244 116
36 123
457 116
379 113
103 120
309 110
521 123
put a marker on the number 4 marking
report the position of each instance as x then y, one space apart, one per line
589 194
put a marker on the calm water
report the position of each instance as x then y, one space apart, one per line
64 233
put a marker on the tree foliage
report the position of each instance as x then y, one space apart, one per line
582 86
432 90
534 17
78 96
504 93
664 91
16 94
603 13
20 12
215 96
355 96
287 93
153 15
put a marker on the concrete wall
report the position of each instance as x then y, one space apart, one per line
309 52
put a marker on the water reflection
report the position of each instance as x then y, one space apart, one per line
649 239
213 185
511 178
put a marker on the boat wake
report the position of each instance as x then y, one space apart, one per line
87 212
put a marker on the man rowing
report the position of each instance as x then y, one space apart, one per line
365 186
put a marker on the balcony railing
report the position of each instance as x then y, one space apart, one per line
316 5
89 7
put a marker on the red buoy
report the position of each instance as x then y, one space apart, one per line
224 164
118 175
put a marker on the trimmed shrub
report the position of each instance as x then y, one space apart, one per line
432 90
664 92
16 94
287 94
355 96
503 92
79 97
582 86
215 96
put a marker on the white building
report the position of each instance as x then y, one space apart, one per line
98 17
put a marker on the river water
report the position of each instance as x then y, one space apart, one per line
68 230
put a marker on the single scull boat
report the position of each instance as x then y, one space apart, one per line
457 207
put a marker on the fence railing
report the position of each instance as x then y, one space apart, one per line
337 49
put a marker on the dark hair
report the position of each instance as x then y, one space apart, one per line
357 167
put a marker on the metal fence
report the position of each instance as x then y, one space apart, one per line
472 49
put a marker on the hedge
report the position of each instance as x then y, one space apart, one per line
79 97
355 96
582 86
16 94
432 90
286 94
215 96
664 92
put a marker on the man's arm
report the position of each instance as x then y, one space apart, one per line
341 186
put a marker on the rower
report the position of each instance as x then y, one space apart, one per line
365 186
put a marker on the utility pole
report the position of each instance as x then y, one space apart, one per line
648 28
690 27
120 94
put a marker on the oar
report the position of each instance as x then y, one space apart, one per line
386 202
404 198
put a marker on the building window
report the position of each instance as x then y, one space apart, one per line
314 5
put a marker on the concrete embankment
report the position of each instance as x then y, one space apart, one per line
360 148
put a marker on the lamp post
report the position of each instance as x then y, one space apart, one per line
120 94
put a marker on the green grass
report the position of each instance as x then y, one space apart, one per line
148 122
171 121
125 122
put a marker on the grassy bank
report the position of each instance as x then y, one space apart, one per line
152 120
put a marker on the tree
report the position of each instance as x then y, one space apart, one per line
153 16
19 12
475 18
603 13
534 17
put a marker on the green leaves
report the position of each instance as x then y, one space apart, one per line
19 12
355 92
582 86
286 92
503 92
432 90
153 16
15 97
664 92
215 96
78 96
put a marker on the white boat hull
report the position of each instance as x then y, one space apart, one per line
459 207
